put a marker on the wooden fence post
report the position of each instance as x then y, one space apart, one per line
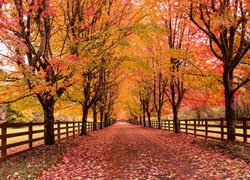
30 135
186 126
194 127
58 132
245 130
67 129
206 129
3 141
78 127
73 128
222 128
168 125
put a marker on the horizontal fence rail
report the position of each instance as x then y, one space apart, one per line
207 128
17 137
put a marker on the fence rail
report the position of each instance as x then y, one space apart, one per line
28 135
208 128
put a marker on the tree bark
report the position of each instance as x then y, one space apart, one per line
176 120
144 117
149 119
48 111
101 119
94 117
159 119
140 120
49 136
84 121
105 119
229 105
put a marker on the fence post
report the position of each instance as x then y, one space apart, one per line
206 129
168 125
186 126
30 135
245 130
78 127
73 128
222 128
67 129
3 141
194 127
58 132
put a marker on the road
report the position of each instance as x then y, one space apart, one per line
125 151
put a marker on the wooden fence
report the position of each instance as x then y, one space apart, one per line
208 128
17 137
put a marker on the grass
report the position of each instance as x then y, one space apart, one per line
234 149
30 164
26 137
218 129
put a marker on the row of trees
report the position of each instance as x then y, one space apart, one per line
68 50
72 50
193 48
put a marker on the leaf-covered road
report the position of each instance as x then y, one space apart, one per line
125 151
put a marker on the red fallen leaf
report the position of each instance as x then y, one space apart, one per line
133 152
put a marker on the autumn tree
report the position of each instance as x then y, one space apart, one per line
29 35
112 95
95 112
146 96
143 108
177 36
156 49
226 24
95 28
106 102
134 111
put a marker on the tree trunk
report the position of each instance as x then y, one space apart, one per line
49 136
84 121
176 120
101 119
108 122
159 120
94 118
48 110
149 119
140 120
144 118
105 119
229 105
